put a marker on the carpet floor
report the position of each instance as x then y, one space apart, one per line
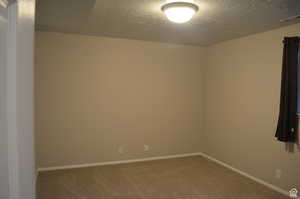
181 178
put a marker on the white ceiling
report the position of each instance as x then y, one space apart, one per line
216 20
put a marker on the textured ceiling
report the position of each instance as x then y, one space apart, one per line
216 20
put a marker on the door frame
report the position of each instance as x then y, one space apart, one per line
18 98
4 172
11 104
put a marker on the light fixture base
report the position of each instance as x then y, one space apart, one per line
180 4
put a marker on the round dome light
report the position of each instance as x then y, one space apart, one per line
179 12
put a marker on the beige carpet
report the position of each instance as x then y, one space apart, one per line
182 178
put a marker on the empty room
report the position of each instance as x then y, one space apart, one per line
150 99
140 99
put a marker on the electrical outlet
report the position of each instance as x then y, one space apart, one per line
146 147
121 149
278 173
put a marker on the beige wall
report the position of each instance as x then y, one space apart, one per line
95 94
242 89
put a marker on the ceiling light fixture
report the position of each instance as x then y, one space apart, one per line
180 12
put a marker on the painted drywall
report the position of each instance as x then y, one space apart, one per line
96 94
242 89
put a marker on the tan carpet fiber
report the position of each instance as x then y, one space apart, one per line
181 178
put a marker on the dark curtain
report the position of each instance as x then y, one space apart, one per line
287 127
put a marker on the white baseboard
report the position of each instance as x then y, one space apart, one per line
271 186
117 162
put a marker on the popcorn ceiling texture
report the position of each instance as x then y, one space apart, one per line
216 21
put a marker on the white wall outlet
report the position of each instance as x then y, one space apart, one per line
146 147
121 149
278 173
